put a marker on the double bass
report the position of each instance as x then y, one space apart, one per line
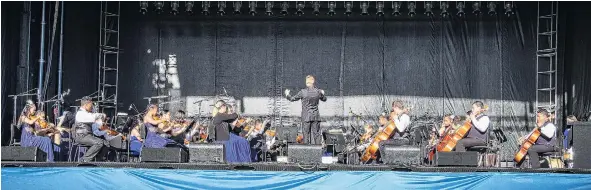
531 140
384 134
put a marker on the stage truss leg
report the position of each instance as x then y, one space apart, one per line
546 56
109 51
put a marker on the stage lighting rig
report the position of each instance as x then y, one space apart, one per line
492 6
460 6
253 8
221 8
189 7
284 7
348 7
412 7
159 6
364 6
316 6
269 8
143 7
205 7
380 8
174 6
331 8
396 8
509 8
300 5
428 8
237 7
476 8
444 6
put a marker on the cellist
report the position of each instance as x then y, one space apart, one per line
401 120
546 142
477 134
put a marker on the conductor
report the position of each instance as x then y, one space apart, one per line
310 97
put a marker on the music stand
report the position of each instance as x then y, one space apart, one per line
288 134
336 139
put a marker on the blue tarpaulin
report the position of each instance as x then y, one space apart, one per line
127 178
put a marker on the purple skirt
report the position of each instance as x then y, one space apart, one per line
153 140
28 139
237 150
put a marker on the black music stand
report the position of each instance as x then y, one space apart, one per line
288 134
336 140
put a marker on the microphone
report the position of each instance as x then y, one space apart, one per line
130 107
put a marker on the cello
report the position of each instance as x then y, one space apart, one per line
384 134
450 141
531 140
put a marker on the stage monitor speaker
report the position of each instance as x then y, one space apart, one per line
18 153
304 154
208 153
401 155
581 145
468 158
167 154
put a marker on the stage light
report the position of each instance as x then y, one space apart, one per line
331 8
492 6
253 8
237 7
174 6
348 7
509 8
300 8
476 8
460 6
396 8
380 8
316 6
143 7
205 7
284 7
159 6
428 8
364 6
412 6
189 7
269 8
443 5
222 8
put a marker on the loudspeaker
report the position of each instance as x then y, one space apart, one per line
401 155
305 154
207 153
18 153
167 154
581 145
469 158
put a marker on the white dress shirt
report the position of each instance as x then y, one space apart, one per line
482 123
549 130
83 116
402 122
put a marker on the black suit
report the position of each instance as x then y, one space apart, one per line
310 117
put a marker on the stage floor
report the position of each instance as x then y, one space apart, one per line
288 167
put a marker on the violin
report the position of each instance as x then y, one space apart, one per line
300 138
107 128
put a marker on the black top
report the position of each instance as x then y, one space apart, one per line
222 121
310 98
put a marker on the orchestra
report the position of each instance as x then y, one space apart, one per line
253 140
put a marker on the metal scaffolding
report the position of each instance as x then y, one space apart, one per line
109 51
546 56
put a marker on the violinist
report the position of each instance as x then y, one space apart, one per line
256 139
45 128
477 134
27 121
237 148
154 125
83 127
179 128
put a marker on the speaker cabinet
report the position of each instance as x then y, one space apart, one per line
401 155
208 153
304 154
18 153
469 158
581 145
168 154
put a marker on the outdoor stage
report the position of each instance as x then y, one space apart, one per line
30 175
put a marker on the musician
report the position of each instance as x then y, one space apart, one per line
27 122
310 97
450 124
179 128
547 140
49 129
477 134
83 127
154 125
237 148
401 121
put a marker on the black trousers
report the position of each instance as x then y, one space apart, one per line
534 153
311 132
469 142
96 146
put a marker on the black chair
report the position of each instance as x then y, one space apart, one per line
13 134
489 152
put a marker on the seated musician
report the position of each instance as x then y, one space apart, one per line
449 125
44 128
237 148
402 121
154 126
272 145
256 139
83 131
179 128
136 140
546 142
478 132
114 141
27 121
